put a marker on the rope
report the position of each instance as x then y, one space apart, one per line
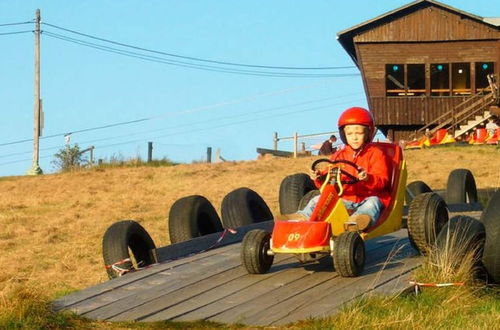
418 285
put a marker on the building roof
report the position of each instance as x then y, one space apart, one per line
345 37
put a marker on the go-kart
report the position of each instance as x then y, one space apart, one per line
326 232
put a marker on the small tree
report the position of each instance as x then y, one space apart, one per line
68 158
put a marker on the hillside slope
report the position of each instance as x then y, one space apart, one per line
52 225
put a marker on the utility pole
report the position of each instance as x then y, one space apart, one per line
35 168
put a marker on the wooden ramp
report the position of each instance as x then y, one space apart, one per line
213 285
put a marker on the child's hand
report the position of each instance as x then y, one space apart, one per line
314 174
363 176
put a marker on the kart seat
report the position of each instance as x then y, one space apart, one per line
395 157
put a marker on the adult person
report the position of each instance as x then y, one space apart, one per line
327 147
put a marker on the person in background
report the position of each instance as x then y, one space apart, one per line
327 147
491 126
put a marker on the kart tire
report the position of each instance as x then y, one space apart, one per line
459 236
254 249
427 215
461 187
491 221
191 217
292 189
244 206
307 197
416 188
349 254
122 237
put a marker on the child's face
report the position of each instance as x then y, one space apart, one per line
355 135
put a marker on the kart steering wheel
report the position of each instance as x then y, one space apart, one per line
347 162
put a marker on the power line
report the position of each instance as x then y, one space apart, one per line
16 32
205 67
196 58
18 23
197 109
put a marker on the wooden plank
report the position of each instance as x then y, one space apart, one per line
169 279
110 304
116 283
156 298
169 257
325 300
211 294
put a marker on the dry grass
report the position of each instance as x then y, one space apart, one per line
52 225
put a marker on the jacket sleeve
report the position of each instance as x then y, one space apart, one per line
378 172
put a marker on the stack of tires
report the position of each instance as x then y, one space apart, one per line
428 225
127 246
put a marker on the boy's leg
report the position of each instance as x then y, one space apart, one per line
309 208
370 206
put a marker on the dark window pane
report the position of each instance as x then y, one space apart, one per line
460 78
483 69
440 79
394 79
416 79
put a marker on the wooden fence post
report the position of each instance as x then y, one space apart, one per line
209 154
275 140
295 144
150 152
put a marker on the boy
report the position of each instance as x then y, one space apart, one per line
365 199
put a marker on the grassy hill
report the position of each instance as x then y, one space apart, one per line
52 225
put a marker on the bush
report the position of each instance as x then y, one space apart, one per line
69 158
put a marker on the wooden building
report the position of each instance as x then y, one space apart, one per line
426 65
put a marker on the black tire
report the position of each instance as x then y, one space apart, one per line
242 207
254 249
416 188
427 215
122 237
491 221
461 187
349 254
191 217
292 189
307 197
459 236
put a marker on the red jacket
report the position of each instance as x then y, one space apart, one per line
375 163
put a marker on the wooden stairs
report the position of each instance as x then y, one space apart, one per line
466 115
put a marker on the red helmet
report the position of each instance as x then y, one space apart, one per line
356 116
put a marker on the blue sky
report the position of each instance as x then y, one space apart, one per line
185 110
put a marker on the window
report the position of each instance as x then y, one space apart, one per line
416 79
483 69
440 79
394 79
460 78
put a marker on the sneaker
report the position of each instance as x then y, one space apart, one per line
358 222
291 216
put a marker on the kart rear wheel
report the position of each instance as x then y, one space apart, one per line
254 249
416 188
292 189
461 187
427 215
307 197
491 220
191 217
349 254
126 245
459 236
244 206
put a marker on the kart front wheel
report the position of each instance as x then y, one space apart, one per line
349 254
254 256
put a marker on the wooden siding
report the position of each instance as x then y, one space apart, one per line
411 110
373 57
429 24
